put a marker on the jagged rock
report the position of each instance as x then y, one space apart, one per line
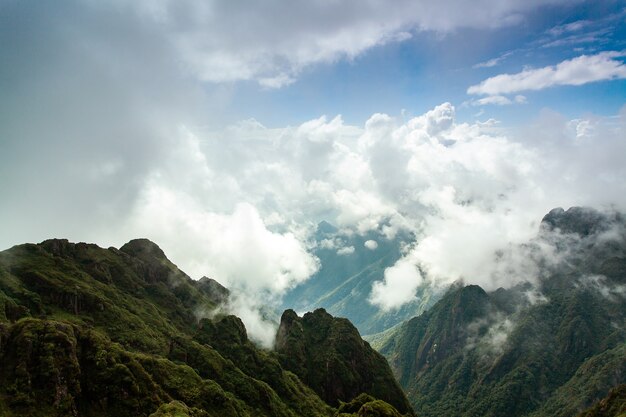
583 221
214 290
328 354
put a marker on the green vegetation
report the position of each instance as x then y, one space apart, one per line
86 331
366 406
328 354
614 405
506 353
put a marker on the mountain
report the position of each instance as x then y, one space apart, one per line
328 355
350 264
87 331
550 348
613 405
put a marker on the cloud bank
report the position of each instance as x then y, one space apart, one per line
471 193
271 43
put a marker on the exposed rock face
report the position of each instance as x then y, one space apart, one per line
583 221
328 354
213 289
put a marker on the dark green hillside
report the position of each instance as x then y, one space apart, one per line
328 354
614 405
86 331
506 354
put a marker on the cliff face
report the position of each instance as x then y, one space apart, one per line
328 355
87 331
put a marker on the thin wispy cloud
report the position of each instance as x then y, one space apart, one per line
577 71
493 61
594 37
498 101
568 27
283 38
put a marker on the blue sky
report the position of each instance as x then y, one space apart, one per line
431 68
212 127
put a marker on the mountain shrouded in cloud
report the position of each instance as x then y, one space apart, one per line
468 191
550 348
116 121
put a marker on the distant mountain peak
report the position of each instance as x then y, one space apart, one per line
325 228
143 248
583 221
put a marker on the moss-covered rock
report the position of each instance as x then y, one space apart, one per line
328 354
366 406
178 409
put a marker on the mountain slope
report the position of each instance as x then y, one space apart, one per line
87 331
330 357
614 405
547 350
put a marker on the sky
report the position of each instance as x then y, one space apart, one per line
226 130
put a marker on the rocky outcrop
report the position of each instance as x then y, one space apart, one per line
328 354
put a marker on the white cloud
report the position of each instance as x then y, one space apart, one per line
493 61
272 43
568 27
239 204
371 244
249 309
346 250
398 287
236 248
498 100
577 71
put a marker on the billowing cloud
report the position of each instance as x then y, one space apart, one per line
371 244
346 250
577 71
398 287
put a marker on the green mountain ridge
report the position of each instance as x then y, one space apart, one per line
327 353
87 331
505 353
